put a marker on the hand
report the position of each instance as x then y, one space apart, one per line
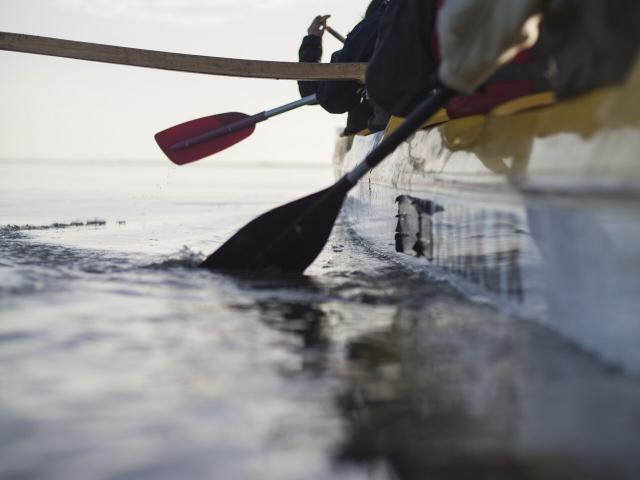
318 25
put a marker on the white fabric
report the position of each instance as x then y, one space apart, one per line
477 36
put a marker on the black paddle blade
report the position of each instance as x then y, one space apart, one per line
285 239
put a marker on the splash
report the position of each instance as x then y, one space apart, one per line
183 258
56 226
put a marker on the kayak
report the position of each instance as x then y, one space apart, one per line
534 208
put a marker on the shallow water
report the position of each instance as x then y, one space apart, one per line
119 359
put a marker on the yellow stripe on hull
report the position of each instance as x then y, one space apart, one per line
538 211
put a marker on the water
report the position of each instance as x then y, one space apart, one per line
121 360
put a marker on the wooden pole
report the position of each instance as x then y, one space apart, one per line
335 34
180 62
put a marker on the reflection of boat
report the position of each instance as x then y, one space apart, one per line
537 211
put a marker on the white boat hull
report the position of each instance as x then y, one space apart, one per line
538 213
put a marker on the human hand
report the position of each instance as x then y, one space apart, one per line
318 25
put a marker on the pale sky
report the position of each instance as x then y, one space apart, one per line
70 109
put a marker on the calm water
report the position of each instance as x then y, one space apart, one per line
121 360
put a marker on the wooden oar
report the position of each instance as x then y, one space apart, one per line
290 237
196 139
181 62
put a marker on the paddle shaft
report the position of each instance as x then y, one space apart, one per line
421 114
181 62
244 123
335 34
330 200
290 237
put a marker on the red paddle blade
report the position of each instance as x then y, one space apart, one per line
173 136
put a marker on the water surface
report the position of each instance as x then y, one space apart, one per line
119 359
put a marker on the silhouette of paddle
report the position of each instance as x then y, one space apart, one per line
335 34
290 237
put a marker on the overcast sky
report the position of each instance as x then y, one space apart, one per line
59 108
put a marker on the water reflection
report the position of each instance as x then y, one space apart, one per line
447 389
487 247
359 367
455 392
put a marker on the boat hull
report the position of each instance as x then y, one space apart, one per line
537 213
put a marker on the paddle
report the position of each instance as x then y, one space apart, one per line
335 34
180 62
196 139
290 237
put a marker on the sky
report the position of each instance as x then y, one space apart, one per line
69 109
